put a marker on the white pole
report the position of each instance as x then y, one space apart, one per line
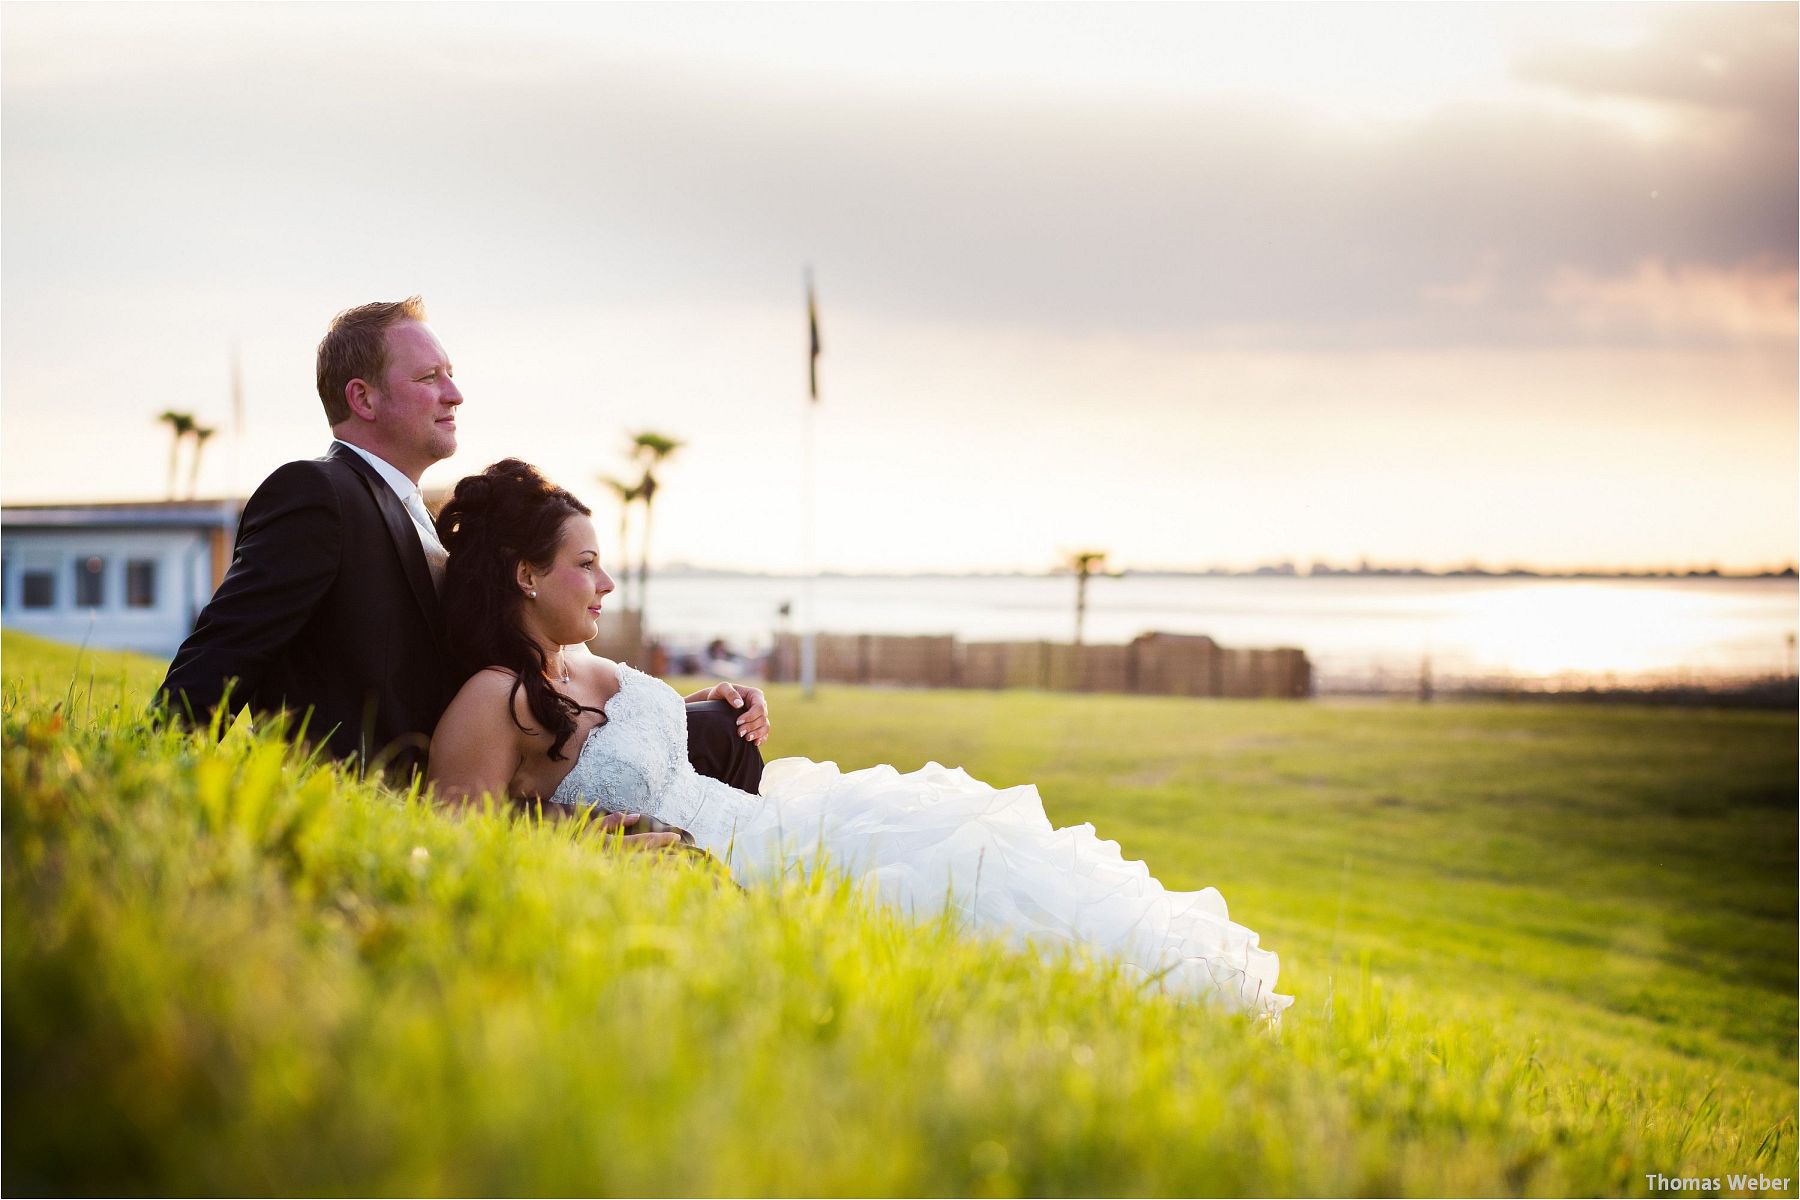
809 601
237 421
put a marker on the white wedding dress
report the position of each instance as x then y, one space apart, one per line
922 840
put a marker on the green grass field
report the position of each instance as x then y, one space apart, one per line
1535 950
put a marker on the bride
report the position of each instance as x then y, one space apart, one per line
540 718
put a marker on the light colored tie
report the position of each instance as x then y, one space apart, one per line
435 554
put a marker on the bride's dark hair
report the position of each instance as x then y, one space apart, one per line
506 515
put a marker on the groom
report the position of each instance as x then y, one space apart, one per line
330 608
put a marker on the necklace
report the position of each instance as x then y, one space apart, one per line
563 678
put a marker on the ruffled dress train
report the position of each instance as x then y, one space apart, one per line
924 839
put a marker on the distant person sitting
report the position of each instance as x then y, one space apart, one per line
720 657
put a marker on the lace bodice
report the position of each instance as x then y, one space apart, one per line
636 761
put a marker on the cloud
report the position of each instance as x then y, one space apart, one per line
550 171
1750 303
1730 57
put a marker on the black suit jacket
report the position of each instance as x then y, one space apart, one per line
327 612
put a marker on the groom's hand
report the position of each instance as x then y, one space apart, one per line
753 710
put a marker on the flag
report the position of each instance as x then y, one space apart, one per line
812 322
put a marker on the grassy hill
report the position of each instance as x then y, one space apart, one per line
1534 950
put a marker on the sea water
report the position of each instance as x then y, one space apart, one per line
1355 629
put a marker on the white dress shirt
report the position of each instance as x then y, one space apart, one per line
413 500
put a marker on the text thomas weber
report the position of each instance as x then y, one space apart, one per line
1737 1183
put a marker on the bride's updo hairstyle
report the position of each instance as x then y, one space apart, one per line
506 515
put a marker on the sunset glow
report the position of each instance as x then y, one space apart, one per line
1196 284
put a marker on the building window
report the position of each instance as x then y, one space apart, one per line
140 583
37 589
88 577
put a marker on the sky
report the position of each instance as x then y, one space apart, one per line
1194 285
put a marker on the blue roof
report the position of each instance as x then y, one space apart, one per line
141 514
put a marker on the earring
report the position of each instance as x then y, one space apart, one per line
532 593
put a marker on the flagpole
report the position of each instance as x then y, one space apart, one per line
809 628
809 649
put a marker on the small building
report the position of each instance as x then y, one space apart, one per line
129 576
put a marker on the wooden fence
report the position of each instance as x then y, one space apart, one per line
1164 664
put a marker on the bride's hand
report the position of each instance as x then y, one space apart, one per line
618 822
753 709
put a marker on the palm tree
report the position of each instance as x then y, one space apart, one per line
181 426
652 450
627 496
1085 563
200 433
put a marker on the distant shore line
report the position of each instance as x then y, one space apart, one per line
689 570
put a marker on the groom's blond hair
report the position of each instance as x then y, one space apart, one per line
355 347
